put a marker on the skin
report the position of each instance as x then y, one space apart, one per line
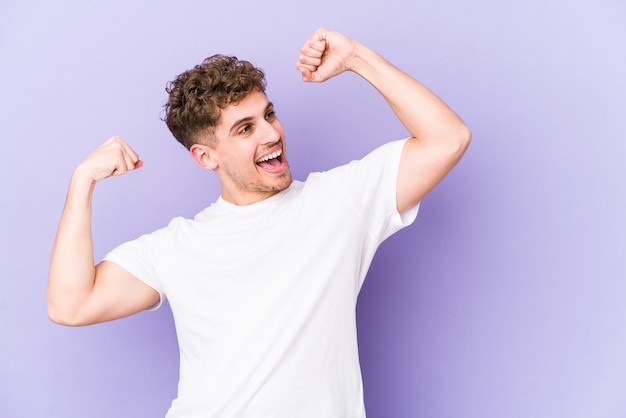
439 137
248 131
81 293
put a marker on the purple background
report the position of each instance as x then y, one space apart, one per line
506 298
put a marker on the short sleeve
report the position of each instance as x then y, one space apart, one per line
371 184
138 258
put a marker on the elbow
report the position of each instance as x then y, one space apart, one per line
66 307
67 321
55 313
57 317
464 137
63 317
459 141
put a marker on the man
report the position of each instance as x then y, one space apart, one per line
263 283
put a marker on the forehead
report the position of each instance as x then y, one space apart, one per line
253 105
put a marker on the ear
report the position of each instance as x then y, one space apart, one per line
203 156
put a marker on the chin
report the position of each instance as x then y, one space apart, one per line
282 181
285 183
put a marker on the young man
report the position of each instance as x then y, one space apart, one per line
263 283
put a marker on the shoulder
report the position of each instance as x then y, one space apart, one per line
383 158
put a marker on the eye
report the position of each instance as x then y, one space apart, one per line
270 115
245 129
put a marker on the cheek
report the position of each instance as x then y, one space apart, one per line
243 156
280 129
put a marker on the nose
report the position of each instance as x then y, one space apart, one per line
271 131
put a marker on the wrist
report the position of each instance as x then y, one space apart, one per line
82 180
362 59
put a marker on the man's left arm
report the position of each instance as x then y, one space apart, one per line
439 137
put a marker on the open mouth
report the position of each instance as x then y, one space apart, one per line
271 162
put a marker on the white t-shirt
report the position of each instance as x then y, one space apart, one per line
264 295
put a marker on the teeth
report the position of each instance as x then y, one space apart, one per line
270 156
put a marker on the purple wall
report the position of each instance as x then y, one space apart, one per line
507 297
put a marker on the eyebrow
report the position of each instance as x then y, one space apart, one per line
238 122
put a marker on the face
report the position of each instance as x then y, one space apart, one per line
249 157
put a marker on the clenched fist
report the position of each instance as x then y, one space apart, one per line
325 54
113 158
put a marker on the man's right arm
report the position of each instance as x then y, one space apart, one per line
79 292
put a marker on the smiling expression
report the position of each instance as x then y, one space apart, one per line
249 155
